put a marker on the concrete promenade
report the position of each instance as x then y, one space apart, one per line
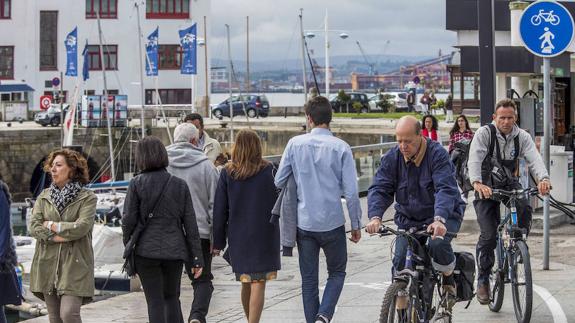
368 275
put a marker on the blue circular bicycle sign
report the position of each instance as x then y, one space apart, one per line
546 28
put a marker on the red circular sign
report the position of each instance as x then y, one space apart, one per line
45 102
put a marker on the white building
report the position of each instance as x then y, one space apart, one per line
32 50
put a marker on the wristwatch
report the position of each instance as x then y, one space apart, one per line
439 218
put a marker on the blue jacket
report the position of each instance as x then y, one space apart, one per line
421 192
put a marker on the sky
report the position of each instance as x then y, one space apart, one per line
413 27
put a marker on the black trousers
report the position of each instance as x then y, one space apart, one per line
488 217
161 280
203 287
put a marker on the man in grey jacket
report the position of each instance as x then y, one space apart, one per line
189 163
511 143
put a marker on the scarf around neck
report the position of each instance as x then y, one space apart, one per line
63 197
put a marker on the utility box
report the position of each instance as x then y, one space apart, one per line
562 176
530 115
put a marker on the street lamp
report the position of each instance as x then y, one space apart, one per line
342 34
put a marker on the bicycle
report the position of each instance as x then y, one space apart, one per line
545 16
511 253
417 285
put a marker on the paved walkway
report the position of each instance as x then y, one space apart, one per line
366 282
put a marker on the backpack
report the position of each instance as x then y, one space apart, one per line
464 275
497 176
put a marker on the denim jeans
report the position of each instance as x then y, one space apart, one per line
440 250
334 247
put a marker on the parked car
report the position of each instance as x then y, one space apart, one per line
254 104
399 99
51 116
338 106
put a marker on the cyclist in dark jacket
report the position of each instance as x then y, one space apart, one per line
419 173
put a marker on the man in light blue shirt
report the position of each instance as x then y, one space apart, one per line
324 170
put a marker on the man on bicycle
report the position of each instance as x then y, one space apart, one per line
493 163
419 173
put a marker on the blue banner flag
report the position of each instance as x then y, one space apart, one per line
188 42
152 53
71 44
86 67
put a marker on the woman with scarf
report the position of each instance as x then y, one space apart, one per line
430 127
62 271
8 280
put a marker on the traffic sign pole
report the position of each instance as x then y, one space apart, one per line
546 28
546 159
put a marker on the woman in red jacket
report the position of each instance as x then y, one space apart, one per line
430 128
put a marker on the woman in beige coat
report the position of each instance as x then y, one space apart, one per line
62 271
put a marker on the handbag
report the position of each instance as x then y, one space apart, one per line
129 255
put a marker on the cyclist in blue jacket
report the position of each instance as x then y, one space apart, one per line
421 177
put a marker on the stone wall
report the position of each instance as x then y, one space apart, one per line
21 150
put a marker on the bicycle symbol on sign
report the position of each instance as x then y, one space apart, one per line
545 16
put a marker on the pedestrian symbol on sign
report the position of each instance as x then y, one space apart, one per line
546 45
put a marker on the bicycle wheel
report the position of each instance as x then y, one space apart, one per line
408 313
496 280
521 282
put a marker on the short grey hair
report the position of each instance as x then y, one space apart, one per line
185 132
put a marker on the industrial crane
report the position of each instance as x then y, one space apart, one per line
371 65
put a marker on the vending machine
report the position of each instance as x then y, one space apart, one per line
91 110
121 111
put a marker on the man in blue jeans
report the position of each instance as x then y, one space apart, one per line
420 176
324 170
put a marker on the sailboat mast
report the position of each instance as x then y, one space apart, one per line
143 92
103 64
230 103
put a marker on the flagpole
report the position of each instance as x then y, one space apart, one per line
143 92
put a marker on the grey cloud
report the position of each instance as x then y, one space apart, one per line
414 27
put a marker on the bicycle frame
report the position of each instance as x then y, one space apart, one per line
506 230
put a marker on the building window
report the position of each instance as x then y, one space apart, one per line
170 9
48 40
170 96
106 8
110 57
5 9
6 62
170 57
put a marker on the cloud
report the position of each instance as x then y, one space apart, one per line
413 27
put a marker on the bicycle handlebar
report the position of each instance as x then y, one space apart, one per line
385 230
516 193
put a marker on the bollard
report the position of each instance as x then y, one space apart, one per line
285 112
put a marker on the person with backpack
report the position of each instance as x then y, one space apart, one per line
493 163
461 132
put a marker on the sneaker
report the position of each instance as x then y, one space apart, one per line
195 321
483 293
321 319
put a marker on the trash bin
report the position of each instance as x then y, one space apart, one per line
562 176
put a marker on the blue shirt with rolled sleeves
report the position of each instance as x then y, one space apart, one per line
324 170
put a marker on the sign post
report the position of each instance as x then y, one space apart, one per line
546 29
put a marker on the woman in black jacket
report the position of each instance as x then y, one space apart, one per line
244 200
170 236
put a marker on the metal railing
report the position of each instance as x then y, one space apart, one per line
367 160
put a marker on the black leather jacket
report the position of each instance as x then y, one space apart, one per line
172 232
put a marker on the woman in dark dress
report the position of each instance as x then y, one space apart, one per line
244 200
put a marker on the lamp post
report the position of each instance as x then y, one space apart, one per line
342 34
